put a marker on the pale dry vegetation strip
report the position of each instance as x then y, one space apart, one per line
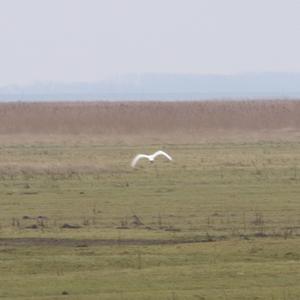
136 118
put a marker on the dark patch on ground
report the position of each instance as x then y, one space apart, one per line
70 226
29 193
95 242
15 242
136 221
33 226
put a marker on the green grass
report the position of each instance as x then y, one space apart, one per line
257 269
244 197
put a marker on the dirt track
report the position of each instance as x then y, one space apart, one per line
20 242
53 242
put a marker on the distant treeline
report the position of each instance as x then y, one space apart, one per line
163 87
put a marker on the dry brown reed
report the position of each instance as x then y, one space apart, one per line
137 118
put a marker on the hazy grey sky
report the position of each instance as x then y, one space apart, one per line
89 40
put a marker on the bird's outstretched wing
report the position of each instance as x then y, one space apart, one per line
157 153
137 158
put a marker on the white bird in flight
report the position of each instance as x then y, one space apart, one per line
151 157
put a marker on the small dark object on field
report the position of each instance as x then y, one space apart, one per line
122 227
244 237
34 226
172 229
209 238
260 234
136 221
216 214
81 193
149 228
42 218
65 293
70 226
82 246
29 193
39 218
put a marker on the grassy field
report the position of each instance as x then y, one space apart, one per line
222 221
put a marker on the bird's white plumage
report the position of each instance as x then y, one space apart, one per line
157 153
137 158
149 157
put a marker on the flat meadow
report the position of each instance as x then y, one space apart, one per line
221 221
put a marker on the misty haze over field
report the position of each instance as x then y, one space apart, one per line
84 50
161 87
